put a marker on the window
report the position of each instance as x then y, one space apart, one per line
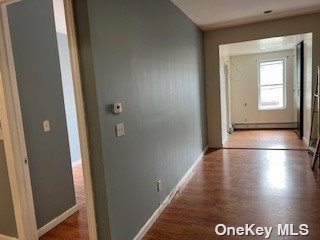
272 84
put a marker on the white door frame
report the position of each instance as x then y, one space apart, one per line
13 133
82 125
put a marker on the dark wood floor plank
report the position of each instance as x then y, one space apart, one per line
235 187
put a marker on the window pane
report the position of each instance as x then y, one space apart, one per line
271 72
271 97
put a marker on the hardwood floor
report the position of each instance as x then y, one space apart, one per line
235 187
75 227
266 139
232 187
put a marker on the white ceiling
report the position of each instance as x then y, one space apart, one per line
263 45
213 14
59 16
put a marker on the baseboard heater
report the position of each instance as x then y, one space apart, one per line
242 126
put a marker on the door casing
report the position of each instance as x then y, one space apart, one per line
13 132
300 87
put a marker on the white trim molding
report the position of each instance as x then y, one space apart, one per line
306 141
55 222
13 136
3 237
77 163
81 117
249 126
168 199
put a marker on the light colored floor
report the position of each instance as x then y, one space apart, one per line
75 227
265 139
241 186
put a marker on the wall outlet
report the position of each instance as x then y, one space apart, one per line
46 126
159 186
120 130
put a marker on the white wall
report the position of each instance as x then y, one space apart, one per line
69 99
67 81
244 90
224 59
307 108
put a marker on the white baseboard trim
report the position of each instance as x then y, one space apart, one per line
55 222
225 140
305 140
3 237
168 199
244 126
77 163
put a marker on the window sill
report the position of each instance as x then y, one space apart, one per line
271 109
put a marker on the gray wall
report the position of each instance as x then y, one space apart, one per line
69 100
39 80
149 56
92 117
7 219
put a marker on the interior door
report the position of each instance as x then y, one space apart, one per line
299 88
39 81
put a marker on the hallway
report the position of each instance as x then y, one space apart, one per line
237 187
265 139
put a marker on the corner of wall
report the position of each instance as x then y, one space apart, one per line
92 117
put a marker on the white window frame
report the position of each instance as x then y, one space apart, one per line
283 60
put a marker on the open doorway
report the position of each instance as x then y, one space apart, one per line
43 121
74 224
260 92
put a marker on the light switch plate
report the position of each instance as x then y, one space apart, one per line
46 126
120 130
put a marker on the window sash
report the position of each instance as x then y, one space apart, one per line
283 84
269 104
268 63
270 85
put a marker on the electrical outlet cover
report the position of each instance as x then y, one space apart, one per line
46 126
120 130
159 186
